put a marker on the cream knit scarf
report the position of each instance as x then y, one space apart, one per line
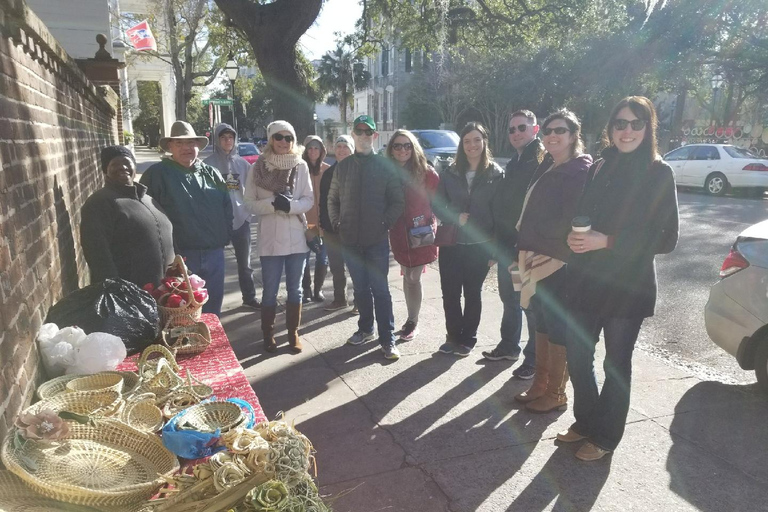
272 171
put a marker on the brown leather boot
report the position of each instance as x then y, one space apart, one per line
268 327
292 321
555 397
541 378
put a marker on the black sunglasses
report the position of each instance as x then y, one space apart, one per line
359 132
521 128
280 136
559 130
397 146
636 124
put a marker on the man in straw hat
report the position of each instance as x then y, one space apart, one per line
195 198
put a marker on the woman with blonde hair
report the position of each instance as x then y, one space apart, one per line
314 155
279 191
410 242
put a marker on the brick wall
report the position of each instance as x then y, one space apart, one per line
52 124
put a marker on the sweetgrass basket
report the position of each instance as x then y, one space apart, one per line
143 415
58 385
15 496
97 382
192 307
91 403
209 416
186 336
105 464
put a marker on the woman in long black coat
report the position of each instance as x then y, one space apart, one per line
631 202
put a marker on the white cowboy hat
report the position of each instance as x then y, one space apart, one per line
182 130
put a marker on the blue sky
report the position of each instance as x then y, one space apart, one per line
336 16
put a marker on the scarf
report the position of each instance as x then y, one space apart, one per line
272 171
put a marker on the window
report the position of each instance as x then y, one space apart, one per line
393 59
408 60
705 153
678 154
385 108
385 61
736 152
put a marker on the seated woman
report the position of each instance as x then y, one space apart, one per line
123 231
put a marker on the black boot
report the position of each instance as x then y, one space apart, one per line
320 273
306 284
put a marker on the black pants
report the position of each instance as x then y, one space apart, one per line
462 270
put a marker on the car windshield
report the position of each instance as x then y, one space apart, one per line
247 149
443 139
735 152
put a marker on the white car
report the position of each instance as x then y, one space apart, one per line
736 315
718 167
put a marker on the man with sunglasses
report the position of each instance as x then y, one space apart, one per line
506 210
365 200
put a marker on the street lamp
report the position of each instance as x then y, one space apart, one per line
232 70
717 83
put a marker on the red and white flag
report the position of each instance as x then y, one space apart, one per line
141 37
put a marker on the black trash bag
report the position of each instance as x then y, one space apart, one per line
114 306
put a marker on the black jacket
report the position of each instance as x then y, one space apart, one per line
124 233
509 199
365 199
453 197
325 188
634 202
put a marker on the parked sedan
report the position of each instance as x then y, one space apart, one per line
440 146
718 167
736 315
248 151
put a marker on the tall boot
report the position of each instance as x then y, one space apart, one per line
292 321
541 377
555 397
268 327
320 273
306 285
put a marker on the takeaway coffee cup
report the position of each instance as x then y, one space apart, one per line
581 224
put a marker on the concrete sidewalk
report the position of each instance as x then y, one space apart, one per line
432 432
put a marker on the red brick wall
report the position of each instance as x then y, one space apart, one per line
52 124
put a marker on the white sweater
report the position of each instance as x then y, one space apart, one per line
281 233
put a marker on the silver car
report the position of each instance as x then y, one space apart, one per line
439 146
736 315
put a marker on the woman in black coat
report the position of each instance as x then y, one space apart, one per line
631 202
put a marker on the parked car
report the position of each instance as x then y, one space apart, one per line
439 145
248 151
718 168
736 314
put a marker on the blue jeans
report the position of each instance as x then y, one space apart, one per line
209 265
512 319
601 416
272 271
368 268
241 242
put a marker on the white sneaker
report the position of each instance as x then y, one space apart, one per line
391 352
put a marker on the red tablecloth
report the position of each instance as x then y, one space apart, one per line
217 366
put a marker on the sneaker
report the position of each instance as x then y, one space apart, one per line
446 348
462 350
319 297
360 337
590 452
354 311
569 436
391 352
524 372
336 305
252 303
408 332
498 355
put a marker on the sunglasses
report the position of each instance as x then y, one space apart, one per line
280 136
636 124
397 146
559 130
360 132
521 128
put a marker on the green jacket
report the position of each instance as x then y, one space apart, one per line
195 199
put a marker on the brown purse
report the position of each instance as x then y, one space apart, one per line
446 235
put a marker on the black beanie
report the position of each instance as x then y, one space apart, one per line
110 152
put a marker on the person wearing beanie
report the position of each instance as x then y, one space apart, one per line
123 231
235 171
279 191
314 155
198 203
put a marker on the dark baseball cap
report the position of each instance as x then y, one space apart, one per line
366 120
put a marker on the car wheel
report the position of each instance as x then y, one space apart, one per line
716 184
761 366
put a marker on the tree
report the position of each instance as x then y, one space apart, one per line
273 30
149 119
340 73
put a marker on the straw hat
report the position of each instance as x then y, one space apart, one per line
182 130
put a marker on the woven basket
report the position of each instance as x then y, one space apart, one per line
209 416
97 382
107 464
143 415
186 336
91 403
17 497
58 385
192 308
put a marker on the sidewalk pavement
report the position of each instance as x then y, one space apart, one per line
432 432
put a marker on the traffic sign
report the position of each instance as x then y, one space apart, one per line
218 101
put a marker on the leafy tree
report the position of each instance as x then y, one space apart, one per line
150 117
340 73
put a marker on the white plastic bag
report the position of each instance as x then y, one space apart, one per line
98 352
56 347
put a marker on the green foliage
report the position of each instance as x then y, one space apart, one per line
148 121
340 73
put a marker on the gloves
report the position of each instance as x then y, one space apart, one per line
282 203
